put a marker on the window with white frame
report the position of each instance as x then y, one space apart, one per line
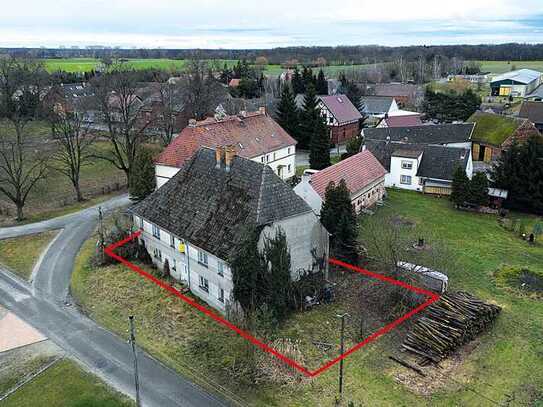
288 151
274 156
157 253
262 159
407 165
289 168
174 266
405 179
172 241
204 284
202 258
221 295
220 268
156 231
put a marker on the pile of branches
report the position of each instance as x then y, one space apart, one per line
455 319
273 370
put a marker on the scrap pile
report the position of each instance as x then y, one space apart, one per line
455 319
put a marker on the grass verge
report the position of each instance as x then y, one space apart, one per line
66 384
20 254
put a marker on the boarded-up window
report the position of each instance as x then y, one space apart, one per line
488 154
476 148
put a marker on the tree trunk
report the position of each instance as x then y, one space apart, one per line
78 194
20 215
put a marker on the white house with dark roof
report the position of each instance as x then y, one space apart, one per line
199 217
253 135
420 167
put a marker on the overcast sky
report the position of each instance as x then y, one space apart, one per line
265 24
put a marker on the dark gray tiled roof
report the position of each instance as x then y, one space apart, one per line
211 207
438 162
376 104
429 134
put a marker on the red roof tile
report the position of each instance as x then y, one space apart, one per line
404 121
358 171
341 108
252 135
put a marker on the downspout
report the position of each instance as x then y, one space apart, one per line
188 260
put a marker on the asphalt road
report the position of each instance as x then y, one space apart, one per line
43 304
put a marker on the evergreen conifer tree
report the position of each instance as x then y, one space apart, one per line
322 84
339 218
287 113
142 179
478 188
298 86
314 132
460 187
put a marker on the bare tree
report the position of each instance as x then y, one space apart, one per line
170 107
75 142
123 112
202 91
22 165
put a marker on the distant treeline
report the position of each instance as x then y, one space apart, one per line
305 55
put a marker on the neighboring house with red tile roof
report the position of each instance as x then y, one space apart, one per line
363 174
342 117
254 135
401 121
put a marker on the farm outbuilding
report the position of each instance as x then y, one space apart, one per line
516 83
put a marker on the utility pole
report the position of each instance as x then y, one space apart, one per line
101 232
342 340
133 343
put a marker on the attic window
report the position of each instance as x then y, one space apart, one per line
273 134
240 145
340 100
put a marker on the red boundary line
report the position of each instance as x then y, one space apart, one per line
387 328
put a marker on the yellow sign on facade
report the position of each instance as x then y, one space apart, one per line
182 247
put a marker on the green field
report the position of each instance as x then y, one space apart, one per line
499 67
88 64
65 384
505 365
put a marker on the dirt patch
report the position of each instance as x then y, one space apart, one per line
520 280
400 221
448 374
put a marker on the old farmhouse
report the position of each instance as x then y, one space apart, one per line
254 135
363 175
494 133
342 117
198 218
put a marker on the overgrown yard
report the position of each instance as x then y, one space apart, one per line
504 366
21 254
66 384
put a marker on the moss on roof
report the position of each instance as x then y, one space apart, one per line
492 128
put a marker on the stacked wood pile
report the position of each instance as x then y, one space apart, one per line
455 319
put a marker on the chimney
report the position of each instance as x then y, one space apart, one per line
192 122
229 154
262 110
242 113
363 147
219 154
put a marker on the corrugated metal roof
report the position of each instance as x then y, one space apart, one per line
522 75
